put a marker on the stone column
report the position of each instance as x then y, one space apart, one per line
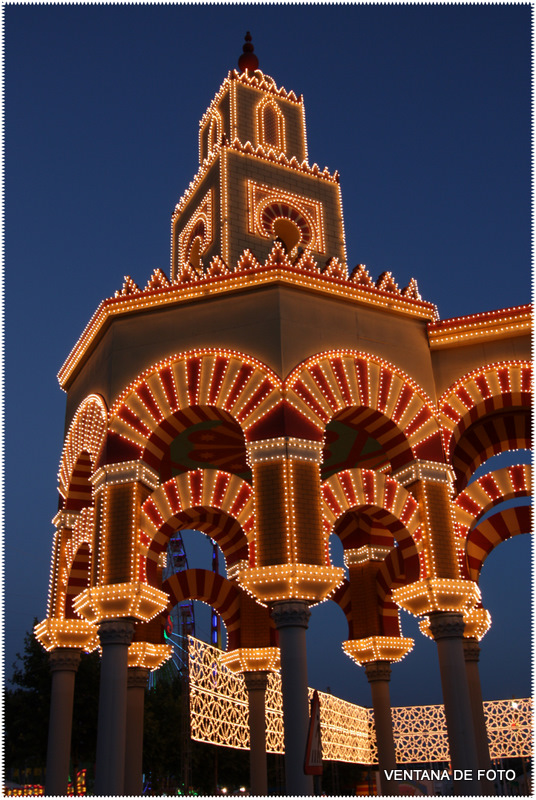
256 683
136 683
291 619
471 651
378 674
115 637
447 629
63 664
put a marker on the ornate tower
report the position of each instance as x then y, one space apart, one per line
254 184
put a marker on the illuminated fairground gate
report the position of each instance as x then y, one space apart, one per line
219 715
267 395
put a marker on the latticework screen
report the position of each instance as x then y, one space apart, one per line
219 715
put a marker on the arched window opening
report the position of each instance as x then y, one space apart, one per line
508 566
288 232
331 669
209 625
503 431
336 553
270 125
194 256
214 133
193 549
271 133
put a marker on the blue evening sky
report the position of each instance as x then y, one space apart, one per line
424 111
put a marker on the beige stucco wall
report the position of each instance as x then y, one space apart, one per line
451 363
279 325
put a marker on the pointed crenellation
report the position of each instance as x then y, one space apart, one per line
247 262
158 280
386 283
129 287
188 274
334 269
277 257
259 80
306 263
256 79
411 291
361 276
269 154
217 268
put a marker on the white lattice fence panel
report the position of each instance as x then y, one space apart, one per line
509 724
219 715
218 699
274 715
219 712
345 731
420 734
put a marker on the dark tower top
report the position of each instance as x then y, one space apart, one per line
248 60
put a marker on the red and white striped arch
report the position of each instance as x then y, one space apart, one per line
484 413
78 578
480 497
490 490
491 532
386 506
81 450
343 598
215 502
77 559
226 380
400 416
355 489
210 588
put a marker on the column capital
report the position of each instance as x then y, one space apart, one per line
137 677
471 650
252 659
366 553
256 681
284 582
447 625
375 649
285 447
57 633
64 659
116 631
378 671
135 600
291 614
437 596
124 472
146 655
65 519
421 470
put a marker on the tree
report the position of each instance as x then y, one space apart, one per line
26 714
27 708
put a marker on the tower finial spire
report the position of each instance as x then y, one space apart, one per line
248 60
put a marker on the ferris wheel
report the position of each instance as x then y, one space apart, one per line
180 623
181 620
